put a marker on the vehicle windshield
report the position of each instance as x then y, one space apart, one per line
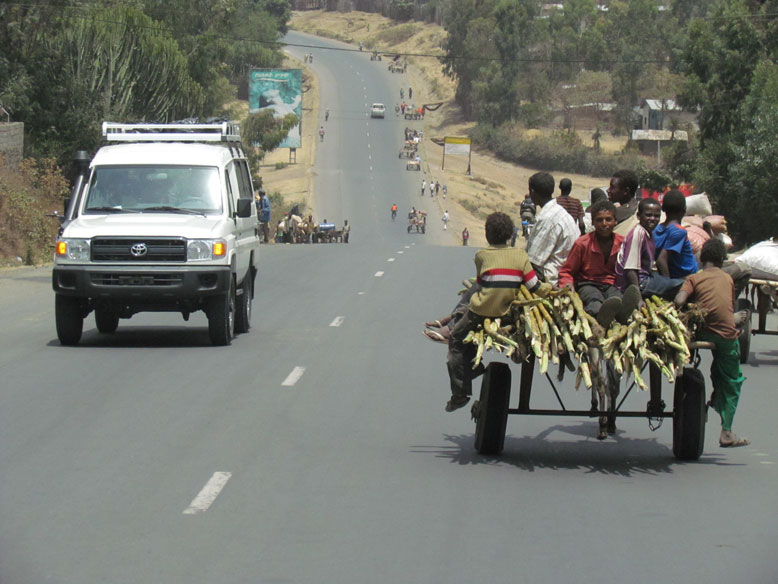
154 189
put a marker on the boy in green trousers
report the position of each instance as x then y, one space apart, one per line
714 290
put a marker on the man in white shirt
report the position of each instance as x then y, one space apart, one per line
554 231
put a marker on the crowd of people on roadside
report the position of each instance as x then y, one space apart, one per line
624 251
293 227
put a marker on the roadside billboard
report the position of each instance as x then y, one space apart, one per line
456 145
279 91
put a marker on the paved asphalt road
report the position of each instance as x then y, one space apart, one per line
315 449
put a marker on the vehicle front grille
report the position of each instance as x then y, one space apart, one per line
116 249
124 279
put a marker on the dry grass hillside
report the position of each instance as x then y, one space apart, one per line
492 185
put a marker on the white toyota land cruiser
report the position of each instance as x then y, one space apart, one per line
163 220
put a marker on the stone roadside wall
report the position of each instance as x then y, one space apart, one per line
12 141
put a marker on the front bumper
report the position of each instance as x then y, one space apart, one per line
141 285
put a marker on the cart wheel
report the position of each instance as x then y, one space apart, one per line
491 410
689 415
745 331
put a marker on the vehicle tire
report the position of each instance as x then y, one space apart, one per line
70 323
243 314
745 331
221 317
107 321
491 409
689 415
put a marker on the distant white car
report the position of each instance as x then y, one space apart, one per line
377 110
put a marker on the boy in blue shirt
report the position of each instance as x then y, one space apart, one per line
674 255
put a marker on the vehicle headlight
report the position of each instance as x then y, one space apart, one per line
205 249
73 249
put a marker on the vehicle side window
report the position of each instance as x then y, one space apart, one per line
246 190
230 191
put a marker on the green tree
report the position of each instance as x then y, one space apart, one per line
261 133
633 36
753 183
729 63
66 66
469 44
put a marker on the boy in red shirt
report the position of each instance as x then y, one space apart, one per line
591 268
714 290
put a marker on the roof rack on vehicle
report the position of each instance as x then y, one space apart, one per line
222 132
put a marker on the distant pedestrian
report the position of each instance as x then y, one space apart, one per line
445 221
445 191
437 187
515 235
423 186
263 212
432 188
570 204
465 236
402 93
410 93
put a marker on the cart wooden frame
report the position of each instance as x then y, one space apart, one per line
689 412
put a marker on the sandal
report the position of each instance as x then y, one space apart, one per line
435 336
433 323
735 442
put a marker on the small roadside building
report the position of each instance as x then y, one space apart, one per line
662 114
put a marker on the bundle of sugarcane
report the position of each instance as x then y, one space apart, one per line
555 328
653 333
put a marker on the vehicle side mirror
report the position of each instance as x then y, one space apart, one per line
245 207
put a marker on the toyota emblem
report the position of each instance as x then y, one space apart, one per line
139 250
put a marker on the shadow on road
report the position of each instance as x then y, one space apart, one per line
147 336
763 358
618 455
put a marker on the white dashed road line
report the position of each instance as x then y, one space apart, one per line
379 274
338 321
293 377
390 260
207 496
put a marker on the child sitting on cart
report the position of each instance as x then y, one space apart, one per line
714 290
500 271
635 262
591 268
675 258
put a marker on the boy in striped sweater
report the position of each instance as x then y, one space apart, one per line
500 270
